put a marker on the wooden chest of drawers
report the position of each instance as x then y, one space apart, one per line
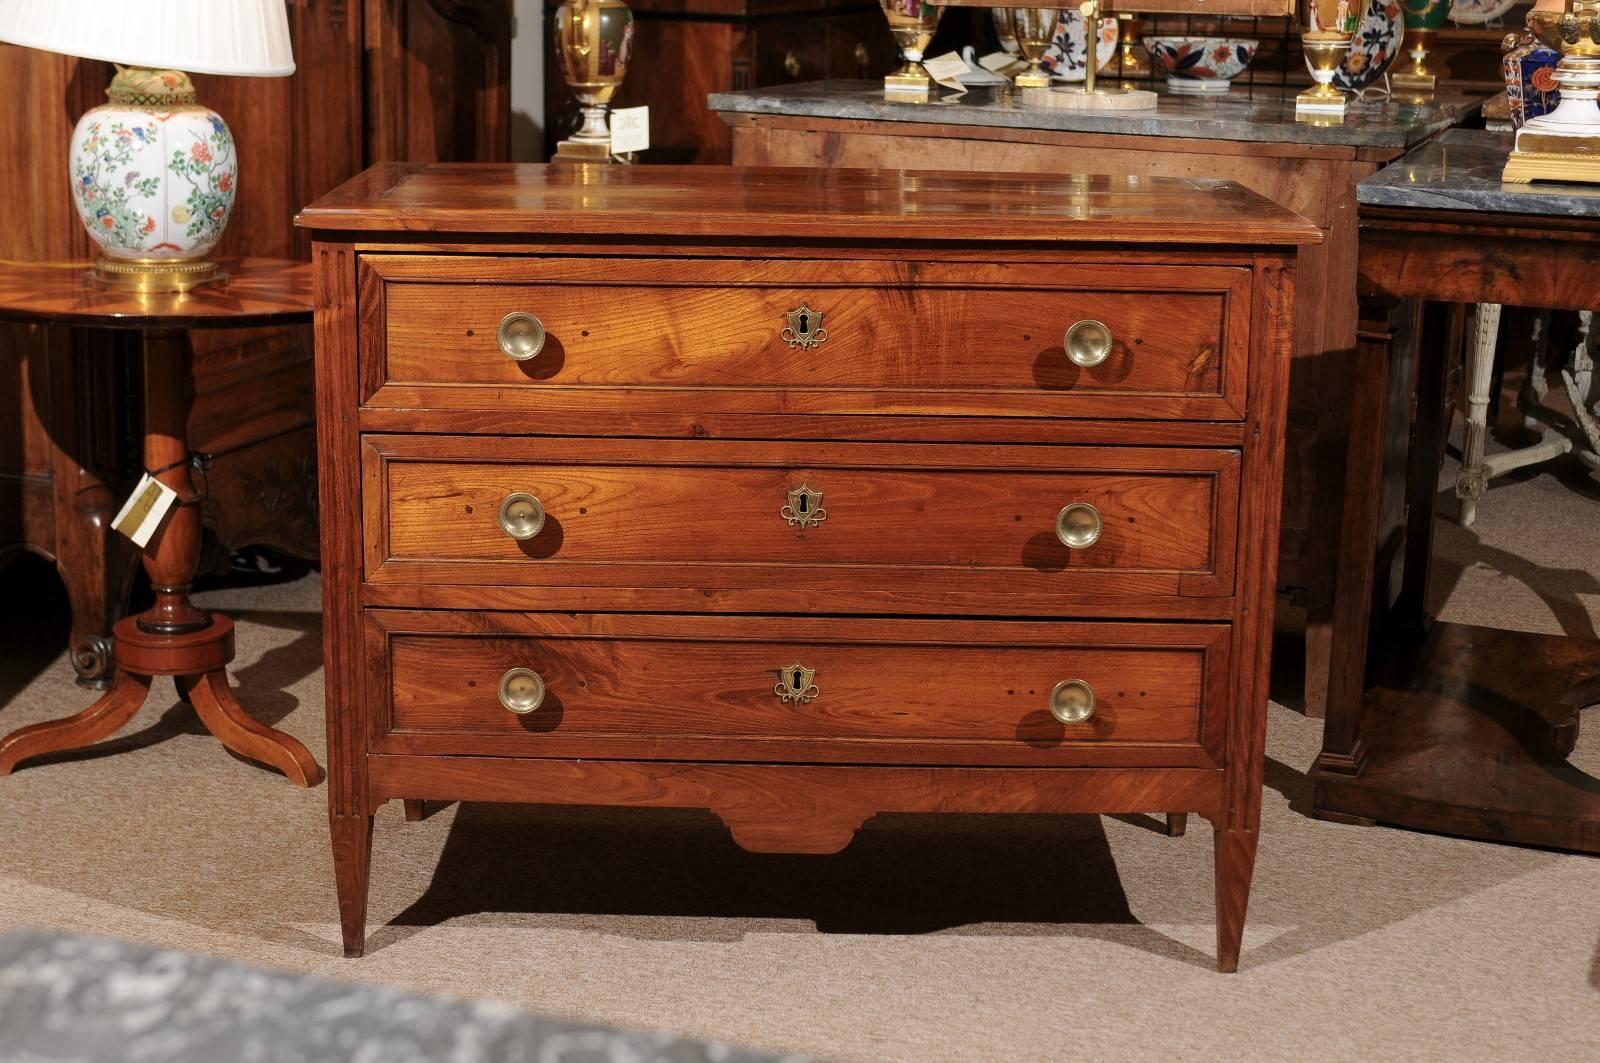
799 496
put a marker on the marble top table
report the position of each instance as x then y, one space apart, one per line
1464 730
1461 171
88 1000
1252 114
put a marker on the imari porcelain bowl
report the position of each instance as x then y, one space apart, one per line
154 174
1199 64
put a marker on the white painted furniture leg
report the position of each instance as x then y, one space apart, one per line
1472 482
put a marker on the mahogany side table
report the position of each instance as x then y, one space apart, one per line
173 637
1438 726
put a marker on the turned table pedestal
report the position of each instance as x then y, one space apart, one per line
173 637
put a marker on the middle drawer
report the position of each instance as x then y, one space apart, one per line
835 526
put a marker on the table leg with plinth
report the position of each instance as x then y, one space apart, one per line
173 637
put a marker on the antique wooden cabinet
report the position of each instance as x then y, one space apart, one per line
379 79
800 495
684 50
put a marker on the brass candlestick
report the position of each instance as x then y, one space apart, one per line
1129 62
911 22
1423 18
593 41
1090 10
1564 145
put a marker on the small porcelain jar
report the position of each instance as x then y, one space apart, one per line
154 176
1530 73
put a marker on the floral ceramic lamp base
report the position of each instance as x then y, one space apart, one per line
154 176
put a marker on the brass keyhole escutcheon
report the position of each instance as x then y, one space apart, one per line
521 515
522 690
802 507
1088 343
804 329
521 336
1072 701
1078 525
796 684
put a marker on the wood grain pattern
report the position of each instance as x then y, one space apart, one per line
693 48
1316 181
1454 729
687 590
980 341
901 691
795 808
785 203
708 514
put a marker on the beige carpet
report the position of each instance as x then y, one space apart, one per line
928 939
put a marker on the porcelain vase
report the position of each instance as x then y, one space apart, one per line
154 174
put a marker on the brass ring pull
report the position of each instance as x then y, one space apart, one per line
1072 701
791 64
521 336
1078 525
522 690
1088 343
521 515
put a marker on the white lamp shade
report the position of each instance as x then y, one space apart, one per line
249 37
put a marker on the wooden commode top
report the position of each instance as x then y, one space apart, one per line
791 202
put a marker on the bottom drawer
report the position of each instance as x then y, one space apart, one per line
798 690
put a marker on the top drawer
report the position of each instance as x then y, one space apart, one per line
787 337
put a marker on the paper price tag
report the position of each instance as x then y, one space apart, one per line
998 62
630 130
144 510
946 69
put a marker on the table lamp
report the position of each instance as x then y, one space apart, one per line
153 173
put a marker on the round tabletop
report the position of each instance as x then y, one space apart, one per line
259 291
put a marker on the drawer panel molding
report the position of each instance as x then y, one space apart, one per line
1105 521
641 336
769 688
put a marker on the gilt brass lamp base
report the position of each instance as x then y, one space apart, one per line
575 150
1103 98
1322 99
1415 81
1524 167
156 274
1563 145
910 81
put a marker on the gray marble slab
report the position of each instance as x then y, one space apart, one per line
1259 114
93 1000
1461 171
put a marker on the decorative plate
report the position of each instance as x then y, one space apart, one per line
1375 48
1200 57
1476 12
1063 60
